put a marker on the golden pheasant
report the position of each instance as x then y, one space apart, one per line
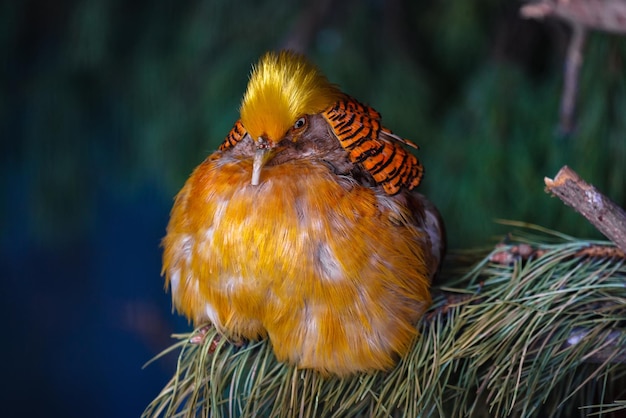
304 227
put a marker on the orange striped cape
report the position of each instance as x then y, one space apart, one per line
376 148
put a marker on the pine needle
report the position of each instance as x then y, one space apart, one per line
534 327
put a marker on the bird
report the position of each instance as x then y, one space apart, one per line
304 228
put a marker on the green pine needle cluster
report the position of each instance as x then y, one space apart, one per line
534 328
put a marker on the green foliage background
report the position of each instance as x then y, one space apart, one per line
107 105
123 93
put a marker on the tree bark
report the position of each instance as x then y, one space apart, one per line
605 15
585 199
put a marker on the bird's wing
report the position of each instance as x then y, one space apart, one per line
236 134
377 149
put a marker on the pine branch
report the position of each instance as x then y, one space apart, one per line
535 332
585 199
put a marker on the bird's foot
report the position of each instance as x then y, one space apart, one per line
198 338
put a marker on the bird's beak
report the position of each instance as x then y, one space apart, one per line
263 154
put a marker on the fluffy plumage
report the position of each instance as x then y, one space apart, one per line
329 253
282 88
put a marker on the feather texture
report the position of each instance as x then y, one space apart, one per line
282 88
321 256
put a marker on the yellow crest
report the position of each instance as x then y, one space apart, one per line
282 88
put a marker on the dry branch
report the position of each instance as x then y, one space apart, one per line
604 15
610 348
573 62
581 15
585 199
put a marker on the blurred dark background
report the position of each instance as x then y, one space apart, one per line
106 107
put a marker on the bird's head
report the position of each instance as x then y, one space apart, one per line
283 88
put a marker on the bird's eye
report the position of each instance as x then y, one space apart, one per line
300 123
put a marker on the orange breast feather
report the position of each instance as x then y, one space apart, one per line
329 270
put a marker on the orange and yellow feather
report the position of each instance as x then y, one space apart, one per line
282 88
335 273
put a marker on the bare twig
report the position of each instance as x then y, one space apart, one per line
573 63
524 252
601 251
585 199
610 349
604 15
